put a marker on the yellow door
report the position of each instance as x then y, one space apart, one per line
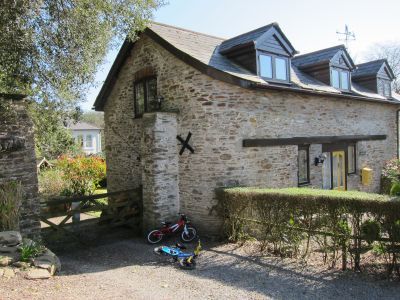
338 171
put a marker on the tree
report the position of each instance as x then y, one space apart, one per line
52 137
51 49
93 117
390 51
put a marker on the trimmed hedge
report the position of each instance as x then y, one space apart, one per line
288 221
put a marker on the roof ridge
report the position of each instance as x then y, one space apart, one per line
373 61
187 30
251 31
318 51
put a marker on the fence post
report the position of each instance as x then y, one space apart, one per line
76 217
344 255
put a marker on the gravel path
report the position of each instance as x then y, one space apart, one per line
127 269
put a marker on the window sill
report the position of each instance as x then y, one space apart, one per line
304 184
352 174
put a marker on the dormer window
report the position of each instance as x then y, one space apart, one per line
340 79
375 76
384 88
265 52
273 67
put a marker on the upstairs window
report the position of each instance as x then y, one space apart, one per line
340 79
274 67
384 88
145 92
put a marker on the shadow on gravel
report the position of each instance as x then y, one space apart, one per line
271 277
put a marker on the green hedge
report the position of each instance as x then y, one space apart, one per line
290 221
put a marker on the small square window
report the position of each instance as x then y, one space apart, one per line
145 96
335 78
266 66
280 69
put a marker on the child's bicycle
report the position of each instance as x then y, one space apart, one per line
188 232
185 260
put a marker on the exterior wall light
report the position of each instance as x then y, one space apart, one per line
320 159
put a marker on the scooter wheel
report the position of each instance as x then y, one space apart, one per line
186 264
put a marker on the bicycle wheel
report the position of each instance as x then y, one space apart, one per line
184 263
155 236
190 235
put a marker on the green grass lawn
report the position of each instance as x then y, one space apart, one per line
102 201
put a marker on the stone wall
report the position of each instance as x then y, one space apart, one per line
160 169
19 163
220 116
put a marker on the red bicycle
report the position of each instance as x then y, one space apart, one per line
188 232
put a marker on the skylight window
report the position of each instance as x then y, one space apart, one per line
273 67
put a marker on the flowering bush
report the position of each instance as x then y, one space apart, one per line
82 174
390 175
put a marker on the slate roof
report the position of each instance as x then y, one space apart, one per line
83 126
245 38
202 51
316 57
367 69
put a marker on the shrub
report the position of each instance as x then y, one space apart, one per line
371 231
390 175
395 189
30 250
10 202
288 218
51 182
82 174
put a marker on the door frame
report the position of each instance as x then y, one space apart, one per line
338 147
344 172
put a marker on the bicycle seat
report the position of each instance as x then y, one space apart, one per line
166 223
180 246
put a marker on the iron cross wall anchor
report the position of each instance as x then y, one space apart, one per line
185 143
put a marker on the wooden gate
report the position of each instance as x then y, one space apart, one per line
73 215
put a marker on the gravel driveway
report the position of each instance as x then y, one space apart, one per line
127 269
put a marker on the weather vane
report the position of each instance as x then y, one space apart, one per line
347 36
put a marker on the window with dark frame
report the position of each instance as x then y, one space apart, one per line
303 164
351 159
145 94
274 67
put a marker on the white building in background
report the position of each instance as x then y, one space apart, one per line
88 135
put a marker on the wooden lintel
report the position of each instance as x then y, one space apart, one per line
310 140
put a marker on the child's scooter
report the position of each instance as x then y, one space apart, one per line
186 260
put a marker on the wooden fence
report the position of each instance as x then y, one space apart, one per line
65 214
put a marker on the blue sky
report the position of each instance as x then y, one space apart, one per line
309 24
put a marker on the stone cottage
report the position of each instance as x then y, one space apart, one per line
187 112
